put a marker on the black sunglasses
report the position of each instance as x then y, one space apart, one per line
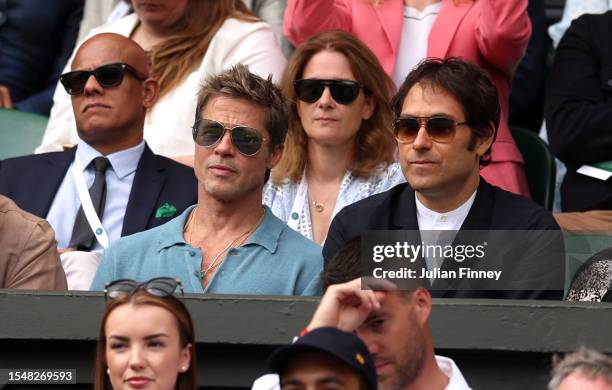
342 91
439 128
209 133
108 76
160 287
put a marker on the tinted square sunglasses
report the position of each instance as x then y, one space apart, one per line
342 91
209 133
108 76
159 287
440 129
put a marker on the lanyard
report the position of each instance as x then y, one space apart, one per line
90 213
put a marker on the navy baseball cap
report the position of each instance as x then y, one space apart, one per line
346 347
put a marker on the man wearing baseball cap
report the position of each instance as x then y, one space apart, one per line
323 357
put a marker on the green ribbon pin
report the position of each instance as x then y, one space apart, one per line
166 210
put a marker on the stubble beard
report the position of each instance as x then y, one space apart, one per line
408 369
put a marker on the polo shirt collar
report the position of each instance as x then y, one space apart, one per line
266 235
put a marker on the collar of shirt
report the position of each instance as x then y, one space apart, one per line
453 217
456 381
123 162
266 235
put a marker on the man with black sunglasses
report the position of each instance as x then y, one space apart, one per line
228 243
111 184
447 115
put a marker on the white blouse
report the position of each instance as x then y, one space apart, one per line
289 201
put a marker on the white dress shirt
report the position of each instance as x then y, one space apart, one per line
431 222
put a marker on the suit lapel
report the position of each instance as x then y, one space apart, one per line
404 215
445 26
148 183
479 216
388 13
405 218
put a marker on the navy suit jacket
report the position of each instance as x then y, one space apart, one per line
493 209
32 182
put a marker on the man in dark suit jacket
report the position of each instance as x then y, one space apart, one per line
579 110
447 117
138 189
32 182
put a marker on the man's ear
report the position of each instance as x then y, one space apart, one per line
275 156
150 92
484 143
422 305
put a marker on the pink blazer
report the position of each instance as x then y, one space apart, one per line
490 33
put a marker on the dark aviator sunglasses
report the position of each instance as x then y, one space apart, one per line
209 133
439 128
342 91
108 76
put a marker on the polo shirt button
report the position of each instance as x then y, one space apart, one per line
191 253
295 216
196 274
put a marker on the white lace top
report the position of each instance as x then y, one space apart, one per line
289 201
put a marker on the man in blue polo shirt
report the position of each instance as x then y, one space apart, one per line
228 242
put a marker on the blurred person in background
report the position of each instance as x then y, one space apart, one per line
573 9
340 146
490 33
186 40
28 255
146 338
36 39
578 113
585 369
99 12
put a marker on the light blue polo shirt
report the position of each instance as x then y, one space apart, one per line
275 260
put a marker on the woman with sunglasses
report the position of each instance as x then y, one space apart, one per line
339 147
146 338
490 33
185 40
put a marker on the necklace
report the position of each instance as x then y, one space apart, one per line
319 207
218 259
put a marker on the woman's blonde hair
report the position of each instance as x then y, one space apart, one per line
375 143
180 54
